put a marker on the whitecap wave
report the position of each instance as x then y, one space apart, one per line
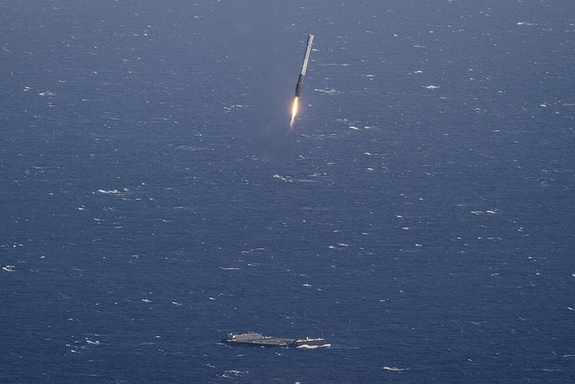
395 369
331 91
231 373
305 346
109 192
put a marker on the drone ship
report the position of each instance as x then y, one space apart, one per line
253 339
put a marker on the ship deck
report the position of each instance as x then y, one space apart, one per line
256 339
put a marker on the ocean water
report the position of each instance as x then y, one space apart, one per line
420 216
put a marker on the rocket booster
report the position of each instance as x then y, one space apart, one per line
299 85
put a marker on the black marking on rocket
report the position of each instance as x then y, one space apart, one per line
299 85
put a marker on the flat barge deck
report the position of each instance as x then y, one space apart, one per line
258 340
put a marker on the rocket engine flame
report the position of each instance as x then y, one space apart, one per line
293 113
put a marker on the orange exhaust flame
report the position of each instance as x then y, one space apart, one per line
293 113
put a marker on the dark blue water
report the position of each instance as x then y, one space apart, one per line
420 217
